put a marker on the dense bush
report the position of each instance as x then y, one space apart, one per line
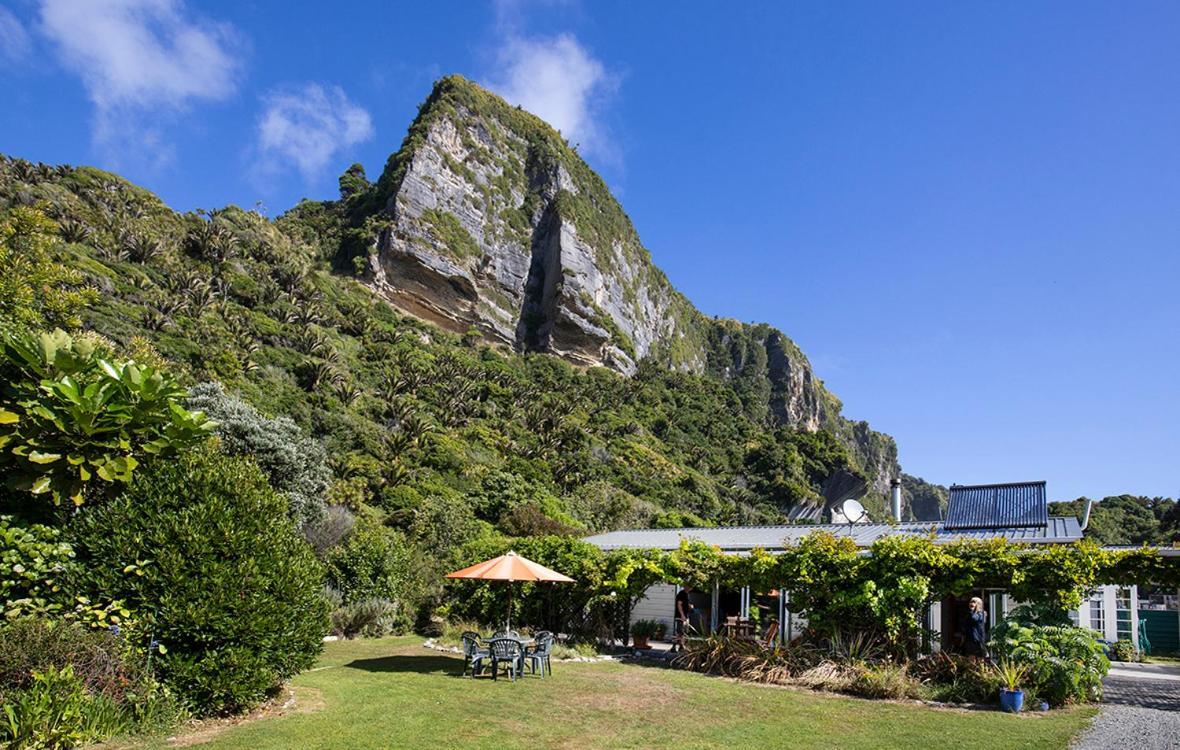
951 678
204 551
67 684
374 563
295 464
1064 663
1124 650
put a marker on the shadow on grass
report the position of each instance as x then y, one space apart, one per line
424 664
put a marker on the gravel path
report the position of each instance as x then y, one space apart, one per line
1119 726
1140 710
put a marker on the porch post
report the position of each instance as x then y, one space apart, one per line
716 604
782 615
1133 603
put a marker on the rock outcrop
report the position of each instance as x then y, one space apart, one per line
490 221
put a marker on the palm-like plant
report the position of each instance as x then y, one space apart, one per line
1011 673
73 230
142 247
200 298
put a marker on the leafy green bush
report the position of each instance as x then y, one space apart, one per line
51 713
32 559
950 678
374 563
645 628
1065 663
34 563
1124 650
35 289
218 575
68 415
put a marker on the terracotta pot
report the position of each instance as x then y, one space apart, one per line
640 641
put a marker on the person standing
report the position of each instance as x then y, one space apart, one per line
684 609
977 629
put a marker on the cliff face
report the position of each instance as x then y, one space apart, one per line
490 221
495 223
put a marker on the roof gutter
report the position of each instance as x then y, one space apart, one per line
1086 513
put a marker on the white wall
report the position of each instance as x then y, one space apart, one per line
1108 595
658 603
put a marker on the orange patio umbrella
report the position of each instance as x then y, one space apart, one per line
510 567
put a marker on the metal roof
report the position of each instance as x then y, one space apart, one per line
745 538
995 506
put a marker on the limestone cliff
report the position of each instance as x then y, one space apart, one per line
489 220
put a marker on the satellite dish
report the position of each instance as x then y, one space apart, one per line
852 510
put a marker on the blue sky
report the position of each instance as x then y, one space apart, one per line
967 215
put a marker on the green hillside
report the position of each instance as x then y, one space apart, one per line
428 434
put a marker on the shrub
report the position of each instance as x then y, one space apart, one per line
1124 650
330 530
295 464
217 573
32 559
51 713
645 628
369 618
890 681
69 416
34 562
951 678
375 563
1065 663
66 683
35 290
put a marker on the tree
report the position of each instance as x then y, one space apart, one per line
202 550
35 290
69 415
295 464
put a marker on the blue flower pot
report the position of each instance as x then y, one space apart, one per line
1011 700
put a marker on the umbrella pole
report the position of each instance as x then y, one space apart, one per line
509 626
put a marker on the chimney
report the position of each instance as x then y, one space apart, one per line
895 499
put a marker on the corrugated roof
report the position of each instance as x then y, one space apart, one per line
745 538
996 506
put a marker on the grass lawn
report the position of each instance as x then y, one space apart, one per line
393 693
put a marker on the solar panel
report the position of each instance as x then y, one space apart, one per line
994 506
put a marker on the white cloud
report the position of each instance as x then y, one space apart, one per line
309 126
141 59
14 40
557 79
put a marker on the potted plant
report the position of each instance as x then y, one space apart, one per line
642 632
661 631
1011 675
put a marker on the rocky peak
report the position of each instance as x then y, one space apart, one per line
492 222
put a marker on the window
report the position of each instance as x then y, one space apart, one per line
1123 614
1097 613
995 608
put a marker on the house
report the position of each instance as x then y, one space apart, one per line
1018 512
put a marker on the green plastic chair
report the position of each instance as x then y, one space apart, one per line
473 653
538 657
507 653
